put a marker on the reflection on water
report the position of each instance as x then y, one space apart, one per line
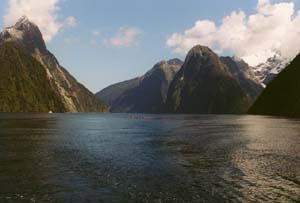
148 158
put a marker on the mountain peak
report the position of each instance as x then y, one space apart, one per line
199 49
122 97
204 85
175 61
23 19
201 54
26 33
24 24
169 67
171 62
201 58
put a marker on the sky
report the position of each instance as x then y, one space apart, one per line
102 42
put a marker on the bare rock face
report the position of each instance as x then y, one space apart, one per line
145 94
75 97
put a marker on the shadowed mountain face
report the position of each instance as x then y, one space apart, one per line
282 96
204 85
146 94
245 76
74 96
24 85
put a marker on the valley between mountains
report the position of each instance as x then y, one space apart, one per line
32 80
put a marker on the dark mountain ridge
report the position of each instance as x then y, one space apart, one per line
145 94
282 95
204 85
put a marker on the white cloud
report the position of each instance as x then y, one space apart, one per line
125 37
70 22
96 33
274 27
42 12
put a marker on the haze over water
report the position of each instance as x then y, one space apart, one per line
148 158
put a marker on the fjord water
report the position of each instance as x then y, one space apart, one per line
148 158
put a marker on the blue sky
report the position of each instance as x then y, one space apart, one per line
85 51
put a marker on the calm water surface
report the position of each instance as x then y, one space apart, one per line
148 158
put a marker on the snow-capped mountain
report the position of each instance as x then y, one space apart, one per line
267 71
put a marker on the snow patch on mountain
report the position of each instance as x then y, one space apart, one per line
267 71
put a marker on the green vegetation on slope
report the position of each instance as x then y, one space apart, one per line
74 96
24 86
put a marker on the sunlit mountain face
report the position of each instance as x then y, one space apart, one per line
74 96
268 70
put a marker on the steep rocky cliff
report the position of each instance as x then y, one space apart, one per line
24 85
74 96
